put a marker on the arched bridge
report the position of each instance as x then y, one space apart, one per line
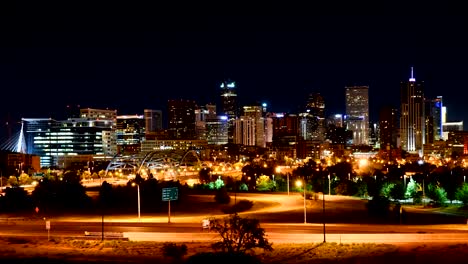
161 164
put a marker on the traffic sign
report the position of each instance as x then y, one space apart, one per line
170 194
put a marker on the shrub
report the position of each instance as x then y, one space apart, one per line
243 187
378 206
222 196
174 251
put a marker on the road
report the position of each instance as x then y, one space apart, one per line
187 227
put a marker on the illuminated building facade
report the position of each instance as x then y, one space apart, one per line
129 133
217 130
255 114
51 139
357 113
412 121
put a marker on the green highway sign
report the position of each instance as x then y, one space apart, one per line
170 194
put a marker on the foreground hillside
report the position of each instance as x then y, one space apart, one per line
19 250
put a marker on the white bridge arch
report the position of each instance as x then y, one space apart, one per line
162 164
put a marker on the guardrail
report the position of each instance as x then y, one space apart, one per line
108 235
13 219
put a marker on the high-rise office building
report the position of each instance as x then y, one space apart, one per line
433 120
388 120
229 106
181 115
357 113
252 126
153 120
217 130
53 140
313 119
412 121
129 132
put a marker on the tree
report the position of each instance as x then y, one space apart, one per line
13 181
219 183
24 179
436 193
239 235
264 183
412 190
205 175
462 194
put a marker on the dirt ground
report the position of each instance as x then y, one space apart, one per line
14 250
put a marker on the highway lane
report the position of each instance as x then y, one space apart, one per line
74 228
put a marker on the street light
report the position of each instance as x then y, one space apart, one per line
138 190
303 184
323 205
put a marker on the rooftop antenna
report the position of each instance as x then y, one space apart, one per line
412 79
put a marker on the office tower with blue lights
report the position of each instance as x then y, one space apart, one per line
357 113
229 106
433 119
412 118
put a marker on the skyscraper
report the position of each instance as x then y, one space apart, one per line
412 121
312 121
357 113
181 119
388 118
229 105
153 120
433 119
253 115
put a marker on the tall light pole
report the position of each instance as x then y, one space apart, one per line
303 184
329 184
323 205
138 191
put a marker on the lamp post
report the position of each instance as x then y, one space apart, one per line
323 206
138 191
329 184
303 184
404 182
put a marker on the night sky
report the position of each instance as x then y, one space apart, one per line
134 57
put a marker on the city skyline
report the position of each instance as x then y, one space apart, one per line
140 62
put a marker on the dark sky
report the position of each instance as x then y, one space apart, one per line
134 57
